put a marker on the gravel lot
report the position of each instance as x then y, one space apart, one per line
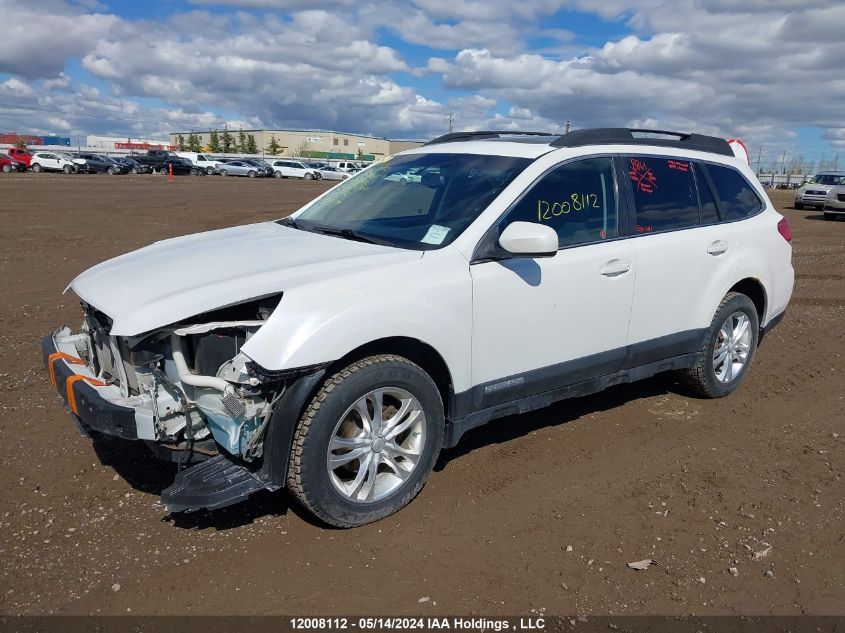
740 500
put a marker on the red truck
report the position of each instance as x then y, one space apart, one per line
20 155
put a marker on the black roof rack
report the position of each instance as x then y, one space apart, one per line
454 137
625 136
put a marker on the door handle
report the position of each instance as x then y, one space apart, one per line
615 267
718 248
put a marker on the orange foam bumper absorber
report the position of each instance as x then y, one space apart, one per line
71 396
51 363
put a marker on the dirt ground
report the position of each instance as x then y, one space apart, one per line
531 514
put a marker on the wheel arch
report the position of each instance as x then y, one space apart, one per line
415 350
287 412
754 290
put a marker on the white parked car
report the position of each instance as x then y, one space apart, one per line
814 193
203 161
51 161
79 162
331 173
346 166
337 351
835 203
412 175
293 169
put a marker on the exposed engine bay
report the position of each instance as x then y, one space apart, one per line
194 393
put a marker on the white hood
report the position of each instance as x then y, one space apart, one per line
178 278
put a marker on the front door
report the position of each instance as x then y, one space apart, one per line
542 323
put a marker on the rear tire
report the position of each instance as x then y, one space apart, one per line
798 206
829 216
724 361
353 493
7 169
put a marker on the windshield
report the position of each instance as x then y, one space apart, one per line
424 213
827 179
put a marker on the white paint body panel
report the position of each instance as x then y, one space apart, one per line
532 313
677 280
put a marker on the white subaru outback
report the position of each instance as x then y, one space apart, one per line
336 351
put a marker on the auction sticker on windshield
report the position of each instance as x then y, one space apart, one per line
435 235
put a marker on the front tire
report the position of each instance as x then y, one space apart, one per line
798 206
36 168
309 176
223 172
67 169
7 169
367 441
829 216
729 349
110 171
252 174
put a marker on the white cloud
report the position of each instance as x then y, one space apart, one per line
709 65
38 38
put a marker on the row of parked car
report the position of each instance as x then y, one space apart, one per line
178 163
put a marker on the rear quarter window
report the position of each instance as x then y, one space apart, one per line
738 198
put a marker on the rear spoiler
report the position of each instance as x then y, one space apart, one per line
739 149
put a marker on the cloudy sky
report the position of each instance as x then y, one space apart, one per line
769 71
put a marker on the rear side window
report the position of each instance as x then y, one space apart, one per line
738 198
665 198
577 199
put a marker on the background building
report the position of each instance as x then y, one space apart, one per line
111 143
13 138
305 143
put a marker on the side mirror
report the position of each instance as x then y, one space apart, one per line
529 239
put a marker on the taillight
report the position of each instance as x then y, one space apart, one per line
785 229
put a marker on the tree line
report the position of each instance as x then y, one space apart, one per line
240 143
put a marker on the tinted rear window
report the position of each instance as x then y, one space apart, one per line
738 198
664 193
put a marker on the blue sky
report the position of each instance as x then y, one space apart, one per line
398 68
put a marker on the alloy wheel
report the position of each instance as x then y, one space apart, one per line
376 444
732 347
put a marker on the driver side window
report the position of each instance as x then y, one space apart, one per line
578 200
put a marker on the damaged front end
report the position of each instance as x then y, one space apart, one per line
186 390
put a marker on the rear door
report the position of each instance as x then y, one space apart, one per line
685 256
